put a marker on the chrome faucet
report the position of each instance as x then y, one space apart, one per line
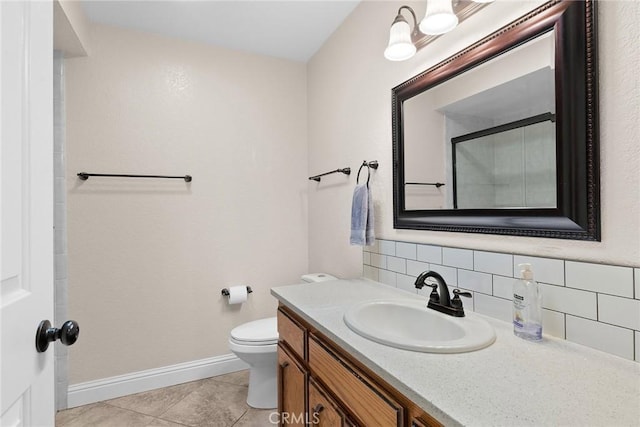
441 301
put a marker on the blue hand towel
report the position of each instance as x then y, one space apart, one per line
362 217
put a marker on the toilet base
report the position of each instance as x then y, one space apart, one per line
263 385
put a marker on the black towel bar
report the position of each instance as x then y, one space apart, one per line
85 176
346 171
437 184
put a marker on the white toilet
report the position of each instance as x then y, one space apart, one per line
257 344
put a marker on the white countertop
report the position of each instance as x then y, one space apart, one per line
510 383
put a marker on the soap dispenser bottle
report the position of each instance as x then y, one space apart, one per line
527 306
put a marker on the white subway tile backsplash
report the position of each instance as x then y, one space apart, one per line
379 261
429 253
387 277
491 262
503 287
387 247
406 250
591 304
461 258
545 270
406 283
371 273
612 339
374 249
449 274
414 268
553 323
399 265
619 311
479 282
497 308
571 301
607 279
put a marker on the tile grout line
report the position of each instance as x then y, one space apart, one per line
171 406
241 416
127 409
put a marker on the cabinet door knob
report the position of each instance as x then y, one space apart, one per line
67 334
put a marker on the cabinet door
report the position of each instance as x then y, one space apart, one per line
368 403
323 411
292 333
292 380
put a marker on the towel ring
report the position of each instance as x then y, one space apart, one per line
364 163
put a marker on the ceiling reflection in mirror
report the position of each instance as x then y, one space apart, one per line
488 135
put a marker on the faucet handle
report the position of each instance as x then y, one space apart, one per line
457 293
456 302
433 296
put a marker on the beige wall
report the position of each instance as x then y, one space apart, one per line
148 258
349 91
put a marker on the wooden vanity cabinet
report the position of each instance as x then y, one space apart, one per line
323 410
292 371
292 389
338 390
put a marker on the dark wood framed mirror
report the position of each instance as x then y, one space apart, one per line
525 181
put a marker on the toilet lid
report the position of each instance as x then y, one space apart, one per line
262 330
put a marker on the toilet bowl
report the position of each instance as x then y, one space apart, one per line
256 343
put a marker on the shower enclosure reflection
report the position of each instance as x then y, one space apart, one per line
508 166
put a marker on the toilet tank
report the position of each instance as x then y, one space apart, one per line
317 277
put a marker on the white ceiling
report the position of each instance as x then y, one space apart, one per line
290 29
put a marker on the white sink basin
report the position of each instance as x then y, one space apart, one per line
410 325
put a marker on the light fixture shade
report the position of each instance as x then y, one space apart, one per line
439 18
400 46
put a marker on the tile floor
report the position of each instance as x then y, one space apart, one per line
217 402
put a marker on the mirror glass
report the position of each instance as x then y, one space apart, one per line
488 135
501 137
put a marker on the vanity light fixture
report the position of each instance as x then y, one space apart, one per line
439 19
401 38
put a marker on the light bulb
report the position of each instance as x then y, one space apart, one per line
439 18
400 46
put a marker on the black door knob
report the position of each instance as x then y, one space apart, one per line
67 334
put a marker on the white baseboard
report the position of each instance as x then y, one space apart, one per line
136 382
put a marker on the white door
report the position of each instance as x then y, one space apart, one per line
26 206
